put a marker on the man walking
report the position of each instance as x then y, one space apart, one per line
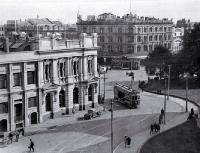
31 145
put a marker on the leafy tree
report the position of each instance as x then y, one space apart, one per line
160 58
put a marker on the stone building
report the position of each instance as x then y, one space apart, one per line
128 34
177 43
53 79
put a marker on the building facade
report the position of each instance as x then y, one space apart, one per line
42 27
177 43
2 30
128 34
52 80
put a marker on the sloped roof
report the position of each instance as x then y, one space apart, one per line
44 21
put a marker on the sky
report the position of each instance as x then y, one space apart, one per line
66 10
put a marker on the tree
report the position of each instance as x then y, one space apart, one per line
159 58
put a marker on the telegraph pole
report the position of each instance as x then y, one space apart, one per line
111 126
168 81
104 79
186 107
99 84
165 100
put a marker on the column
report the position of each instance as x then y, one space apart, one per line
55 69
95 66
80 97
69 98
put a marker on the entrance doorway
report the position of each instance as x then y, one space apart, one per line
75 96
34 118
3 125
48 102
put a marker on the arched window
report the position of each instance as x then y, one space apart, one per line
62 98
3 125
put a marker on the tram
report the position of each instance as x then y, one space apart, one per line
126 96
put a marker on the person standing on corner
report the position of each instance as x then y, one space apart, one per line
31 147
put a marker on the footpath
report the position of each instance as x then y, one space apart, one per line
139 139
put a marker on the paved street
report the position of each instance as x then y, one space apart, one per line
94 136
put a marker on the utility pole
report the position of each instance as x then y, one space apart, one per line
165 100
111 126
169 66
104 79
186 107
99 84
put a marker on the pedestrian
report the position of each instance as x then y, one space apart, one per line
125 141
129 141
17 135
10 137
22 130
73 110
31 147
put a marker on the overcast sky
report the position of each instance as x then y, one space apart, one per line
66 10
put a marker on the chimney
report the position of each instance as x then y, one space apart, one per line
6 45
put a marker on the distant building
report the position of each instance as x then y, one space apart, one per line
37 85
128 35
177 43
2 30
43 27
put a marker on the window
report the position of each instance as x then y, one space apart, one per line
150 29
169 29
75 68
145 39
31 77
150 38
138 48
3 81
165 29
110 48
3 107
156 29
119 48
145 48
61 69
47 71
93 30
89 66
32 102
155 37
120 39
101 38
145 29
130 38
139 39
160 37
101 30
139 30
130 30
130 49
169 37
16 79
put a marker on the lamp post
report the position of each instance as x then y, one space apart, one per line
111 126
104 83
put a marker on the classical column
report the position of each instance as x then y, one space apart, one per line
55 69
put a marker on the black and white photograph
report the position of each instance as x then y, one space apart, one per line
99 76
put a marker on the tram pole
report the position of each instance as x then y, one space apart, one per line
111 126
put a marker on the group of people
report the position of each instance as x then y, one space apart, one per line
16 134
154 128
127 141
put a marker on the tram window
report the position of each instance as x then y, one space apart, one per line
121 95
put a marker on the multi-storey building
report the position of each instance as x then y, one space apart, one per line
177 43
129 34
51 80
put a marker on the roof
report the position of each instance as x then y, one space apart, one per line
16 45
103 14
44 21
